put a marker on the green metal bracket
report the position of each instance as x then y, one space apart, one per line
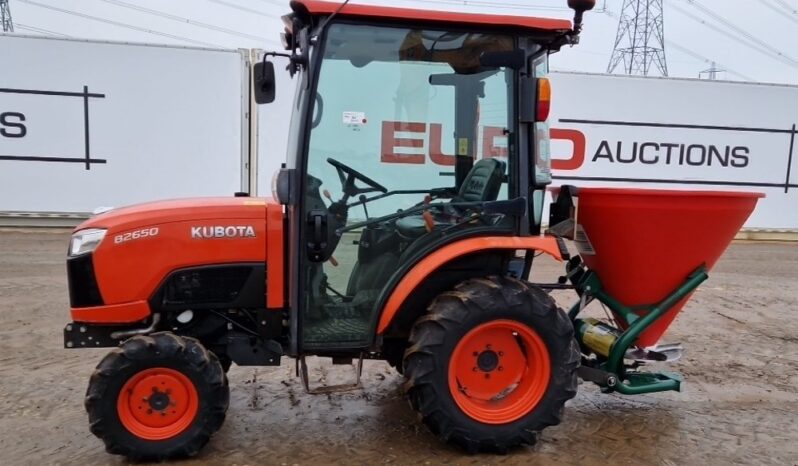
588 286
637 383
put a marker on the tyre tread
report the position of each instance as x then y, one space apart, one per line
446 314
162 346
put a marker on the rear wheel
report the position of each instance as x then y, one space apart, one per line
492 364
157 397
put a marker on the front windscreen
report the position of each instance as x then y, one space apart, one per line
401 105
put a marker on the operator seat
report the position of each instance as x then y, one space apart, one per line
481 184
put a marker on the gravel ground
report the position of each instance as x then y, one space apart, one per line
739 404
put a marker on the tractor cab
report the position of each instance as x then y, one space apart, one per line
413 130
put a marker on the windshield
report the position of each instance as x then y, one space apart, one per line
400 105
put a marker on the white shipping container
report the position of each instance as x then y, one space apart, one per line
86 124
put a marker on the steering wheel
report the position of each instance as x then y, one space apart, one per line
349 175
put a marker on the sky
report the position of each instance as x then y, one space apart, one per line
753 40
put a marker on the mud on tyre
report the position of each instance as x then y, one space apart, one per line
157 397
491 364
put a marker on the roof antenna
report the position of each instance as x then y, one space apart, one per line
338 10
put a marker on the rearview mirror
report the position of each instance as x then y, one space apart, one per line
264 82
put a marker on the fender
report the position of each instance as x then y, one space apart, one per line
429 264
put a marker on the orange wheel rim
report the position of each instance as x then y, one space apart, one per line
499 371
157 404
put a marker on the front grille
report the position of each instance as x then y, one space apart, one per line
83 289
206 285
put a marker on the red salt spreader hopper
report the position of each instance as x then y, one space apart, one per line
642 252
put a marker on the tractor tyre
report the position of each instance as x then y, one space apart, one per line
157 397
225 361
491 365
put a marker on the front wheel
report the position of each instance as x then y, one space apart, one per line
491 364
157 397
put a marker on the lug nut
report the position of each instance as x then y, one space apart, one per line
501 368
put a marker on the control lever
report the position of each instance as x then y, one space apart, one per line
317 224
362 200
429 221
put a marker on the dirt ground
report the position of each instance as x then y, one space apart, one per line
739 404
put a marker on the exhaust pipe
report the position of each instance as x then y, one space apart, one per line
123 334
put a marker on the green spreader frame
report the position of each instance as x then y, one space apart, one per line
638 319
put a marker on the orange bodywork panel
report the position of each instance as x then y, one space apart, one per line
452 251
128 312
129 266
318 7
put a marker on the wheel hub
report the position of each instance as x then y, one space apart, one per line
487 361
159 400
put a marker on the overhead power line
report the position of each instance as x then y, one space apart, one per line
118 24
743 32
734 37
47 32
181 19
792 17
673 45
245 9
788 7
279 3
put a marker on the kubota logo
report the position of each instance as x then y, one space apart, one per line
244 231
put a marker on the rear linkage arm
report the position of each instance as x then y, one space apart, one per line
611 373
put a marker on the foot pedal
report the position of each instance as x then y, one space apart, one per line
302 370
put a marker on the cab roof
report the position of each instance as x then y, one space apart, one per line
531 23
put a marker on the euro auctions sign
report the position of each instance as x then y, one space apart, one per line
679 134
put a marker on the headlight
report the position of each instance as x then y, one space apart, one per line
85 241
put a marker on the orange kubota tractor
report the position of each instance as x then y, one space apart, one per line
386 239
